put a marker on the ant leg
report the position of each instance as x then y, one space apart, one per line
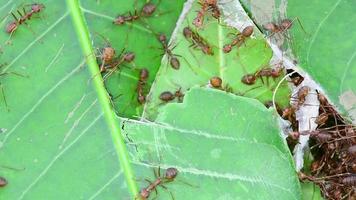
164 187
14 16
300 24
3 95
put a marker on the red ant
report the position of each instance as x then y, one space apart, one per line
170 175
142 81
109 60
168 96
197 41
250 79
281 27
147 10
35 8
206 5
239 39
172 58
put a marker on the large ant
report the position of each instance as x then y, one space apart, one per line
206 5
168 96
142 81
197 41
170 175
239 39
23 17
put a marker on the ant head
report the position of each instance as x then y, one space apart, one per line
144 74
248 79
129 56
215 82
198 21
227 48
144 193
208 50
247 32
37 7
148 9
272 27
119 20
171 173
187 32
11 27
286 24
162 38
175 63
141 99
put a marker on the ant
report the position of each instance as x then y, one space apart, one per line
206 5
3 182
197 41
142 81
250 79
147 10
108 59
35 8
172 58
168 96
170 175
239 39
281 27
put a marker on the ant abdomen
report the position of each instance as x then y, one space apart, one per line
171 173
3 182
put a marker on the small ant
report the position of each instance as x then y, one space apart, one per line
147 10
302 94
206 5
172 58
250 79
216 82
239 39
35 8
281 27
3 182
197 41
143 76
168 96
170 175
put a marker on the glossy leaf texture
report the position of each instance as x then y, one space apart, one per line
197 68
54 137
224 146
139 37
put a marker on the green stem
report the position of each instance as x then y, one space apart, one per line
85 42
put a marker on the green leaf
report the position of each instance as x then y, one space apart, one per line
57 129
328 53
197 68
224 145
136 37
326 49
